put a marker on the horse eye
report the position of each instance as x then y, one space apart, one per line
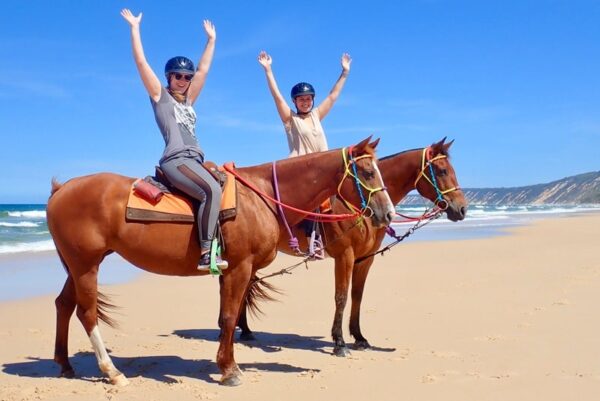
442 172
368 174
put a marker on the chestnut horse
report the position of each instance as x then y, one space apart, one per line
351 245
86 217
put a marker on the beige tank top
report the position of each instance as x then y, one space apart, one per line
304 139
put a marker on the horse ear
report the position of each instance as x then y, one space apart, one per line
447 146
438 147
360 147
374 143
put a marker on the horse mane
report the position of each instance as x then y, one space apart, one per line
443 150
399 153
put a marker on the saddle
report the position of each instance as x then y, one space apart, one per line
154 199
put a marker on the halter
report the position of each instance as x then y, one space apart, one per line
350 160
427 162
293 241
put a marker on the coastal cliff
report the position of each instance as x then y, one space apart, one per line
575 190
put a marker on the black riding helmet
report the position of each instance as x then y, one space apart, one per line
180 64
302 88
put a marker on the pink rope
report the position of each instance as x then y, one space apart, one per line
293 241
327 218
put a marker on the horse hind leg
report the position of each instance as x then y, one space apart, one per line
246 334
87 312
65 305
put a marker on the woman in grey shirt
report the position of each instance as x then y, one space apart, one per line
182 158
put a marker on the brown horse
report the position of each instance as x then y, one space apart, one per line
348 243
86 217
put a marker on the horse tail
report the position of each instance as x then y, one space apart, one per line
55 186
104 305
259 290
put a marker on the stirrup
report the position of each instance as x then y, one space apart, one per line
213 262
316 250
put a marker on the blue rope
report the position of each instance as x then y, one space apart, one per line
356 181
439 193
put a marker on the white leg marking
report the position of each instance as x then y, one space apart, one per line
104 362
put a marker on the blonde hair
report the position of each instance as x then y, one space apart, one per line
179 97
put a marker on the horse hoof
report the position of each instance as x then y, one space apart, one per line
119 380
249 336
342 352
362 345
67 373
231 381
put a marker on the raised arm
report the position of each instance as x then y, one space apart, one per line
149 78
328 102
204 64
285 113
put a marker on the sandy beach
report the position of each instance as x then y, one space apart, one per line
512 317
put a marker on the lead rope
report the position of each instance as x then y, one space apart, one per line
398 238
293 241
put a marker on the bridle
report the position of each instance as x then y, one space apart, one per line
427 164
350 161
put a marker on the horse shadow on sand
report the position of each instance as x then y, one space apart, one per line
163 368
167 368
273 342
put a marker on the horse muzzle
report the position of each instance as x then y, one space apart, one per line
455 212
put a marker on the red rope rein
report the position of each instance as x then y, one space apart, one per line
326 218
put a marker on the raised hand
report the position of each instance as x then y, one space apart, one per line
346 61
130 18
264 59
210 30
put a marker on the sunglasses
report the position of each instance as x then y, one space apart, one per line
187 77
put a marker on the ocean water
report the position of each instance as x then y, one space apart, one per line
23 228
29 265
482 220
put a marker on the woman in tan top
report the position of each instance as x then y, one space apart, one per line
303 127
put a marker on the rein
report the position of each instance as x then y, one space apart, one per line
328 218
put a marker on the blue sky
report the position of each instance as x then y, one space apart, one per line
515 83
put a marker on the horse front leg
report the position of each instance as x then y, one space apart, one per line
359 277
246 334
65 306
234 284
343 272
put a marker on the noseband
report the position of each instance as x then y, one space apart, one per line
427 163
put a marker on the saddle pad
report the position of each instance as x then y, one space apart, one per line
176 208
170 208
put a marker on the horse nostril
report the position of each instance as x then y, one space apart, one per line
390 216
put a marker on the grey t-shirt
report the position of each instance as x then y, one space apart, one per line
177 124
